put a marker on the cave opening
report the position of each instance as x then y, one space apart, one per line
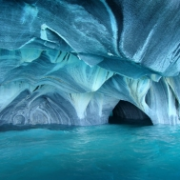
126 113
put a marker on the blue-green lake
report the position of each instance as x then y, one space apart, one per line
107 152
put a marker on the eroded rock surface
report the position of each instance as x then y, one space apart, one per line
70 62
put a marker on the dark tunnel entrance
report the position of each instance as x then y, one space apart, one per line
127 113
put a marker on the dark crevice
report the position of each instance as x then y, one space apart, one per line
36 89
126 113
147 98
118 13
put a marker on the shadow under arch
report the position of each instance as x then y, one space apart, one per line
127 113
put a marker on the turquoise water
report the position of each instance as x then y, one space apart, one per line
108 152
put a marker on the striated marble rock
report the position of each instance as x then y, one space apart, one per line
70 62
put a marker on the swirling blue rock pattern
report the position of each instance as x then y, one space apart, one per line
70 62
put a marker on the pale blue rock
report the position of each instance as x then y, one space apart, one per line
70 62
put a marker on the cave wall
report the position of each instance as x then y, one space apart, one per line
70 62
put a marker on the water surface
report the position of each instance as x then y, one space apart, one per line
112 152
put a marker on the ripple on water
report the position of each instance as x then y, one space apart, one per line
98 152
